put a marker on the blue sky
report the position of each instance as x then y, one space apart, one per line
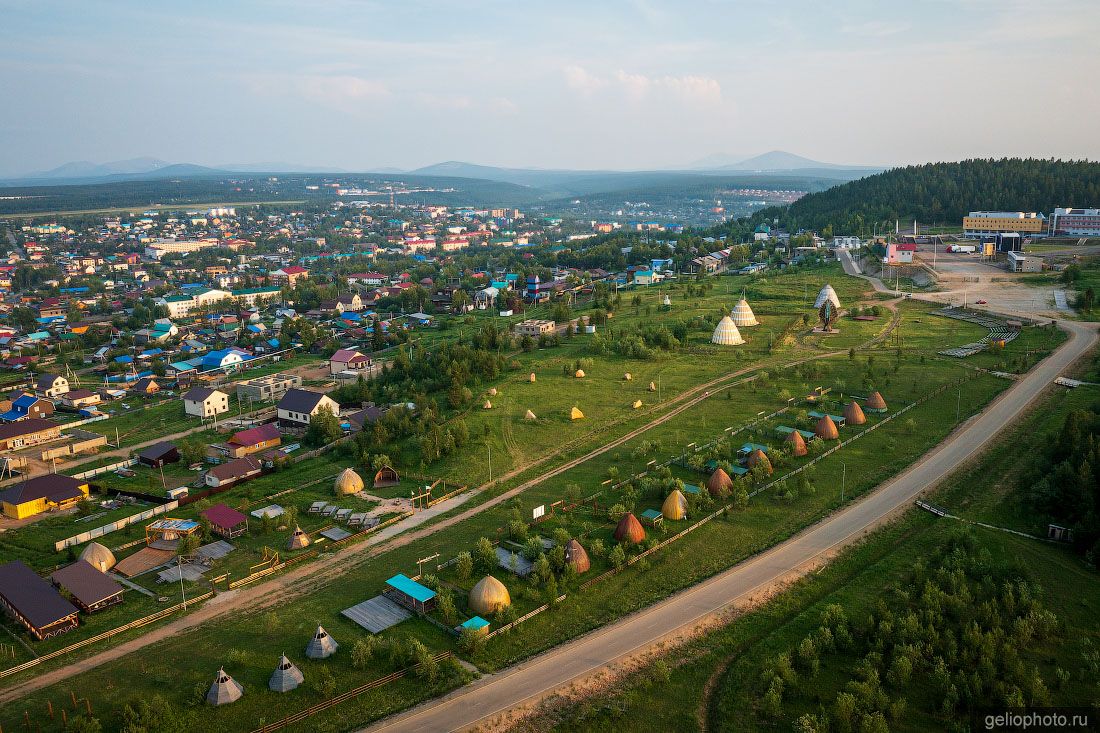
360 84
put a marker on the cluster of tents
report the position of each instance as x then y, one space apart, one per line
285 678
727 332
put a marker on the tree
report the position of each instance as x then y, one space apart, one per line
362 652
324 427
485 554
617 558
464 566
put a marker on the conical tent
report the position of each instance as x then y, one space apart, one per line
636 404
630 530
726 333
579 374
529 416
628 376
826 429
531 378
98 556
667 302
743 316
321 646
875 403
760 458
224 690
576 556
487 406
348 482
853 414
827 293
797 443
675 507
489 596
298 540
576 414
492 391
652 387
286 676
719 482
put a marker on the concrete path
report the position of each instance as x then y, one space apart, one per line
576 660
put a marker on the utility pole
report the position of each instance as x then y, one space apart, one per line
958 404
843 480
490 462
183 591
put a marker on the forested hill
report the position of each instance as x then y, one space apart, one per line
945 192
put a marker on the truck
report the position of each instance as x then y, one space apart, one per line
966 249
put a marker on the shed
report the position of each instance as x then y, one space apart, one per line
410 594
476 624
349 482
33 602
226 521
386 476
91 589
159 454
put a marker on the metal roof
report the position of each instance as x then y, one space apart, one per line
411 588
34 598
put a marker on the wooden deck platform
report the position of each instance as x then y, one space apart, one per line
377 614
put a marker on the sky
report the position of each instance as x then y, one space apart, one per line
627 84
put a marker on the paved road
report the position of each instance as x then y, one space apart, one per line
574 661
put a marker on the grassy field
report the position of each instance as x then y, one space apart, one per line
668 692
903 376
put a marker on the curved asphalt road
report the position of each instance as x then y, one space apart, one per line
575 660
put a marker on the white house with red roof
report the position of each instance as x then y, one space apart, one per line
900 254
348 360
290 275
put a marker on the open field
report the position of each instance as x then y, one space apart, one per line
605 397
712 683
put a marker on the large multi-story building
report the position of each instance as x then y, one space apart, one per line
1075 223
986 223
166 246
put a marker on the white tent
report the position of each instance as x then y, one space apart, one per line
743 316
726 333
827 293
321 646
224 690
285 677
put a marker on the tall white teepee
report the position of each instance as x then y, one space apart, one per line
726 333
742 315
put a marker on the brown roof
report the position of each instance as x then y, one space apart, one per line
86 584
826 428
223 516
34 598
26 427
257 435
235 469
53 486
629 529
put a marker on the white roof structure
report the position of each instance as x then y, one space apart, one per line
321 646
224 690
743 316
98 556
726 333
827 293
285 677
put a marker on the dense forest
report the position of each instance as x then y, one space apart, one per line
943 193
1063 484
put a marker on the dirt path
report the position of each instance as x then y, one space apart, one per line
308 576
571 663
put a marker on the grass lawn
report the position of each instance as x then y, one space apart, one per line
606 398
667 692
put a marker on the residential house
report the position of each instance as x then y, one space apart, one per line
51 385
254 440
348 360
299 405
76 399
42 493
145 386
27 407
290 275
205 402
233 472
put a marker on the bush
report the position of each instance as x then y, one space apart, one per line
324 682
617 557
362 651
464 566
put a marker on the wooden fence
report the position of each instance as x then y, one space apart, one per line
345 696
106 635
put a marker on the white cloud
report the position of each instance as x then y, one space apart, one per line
577 77
335 90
